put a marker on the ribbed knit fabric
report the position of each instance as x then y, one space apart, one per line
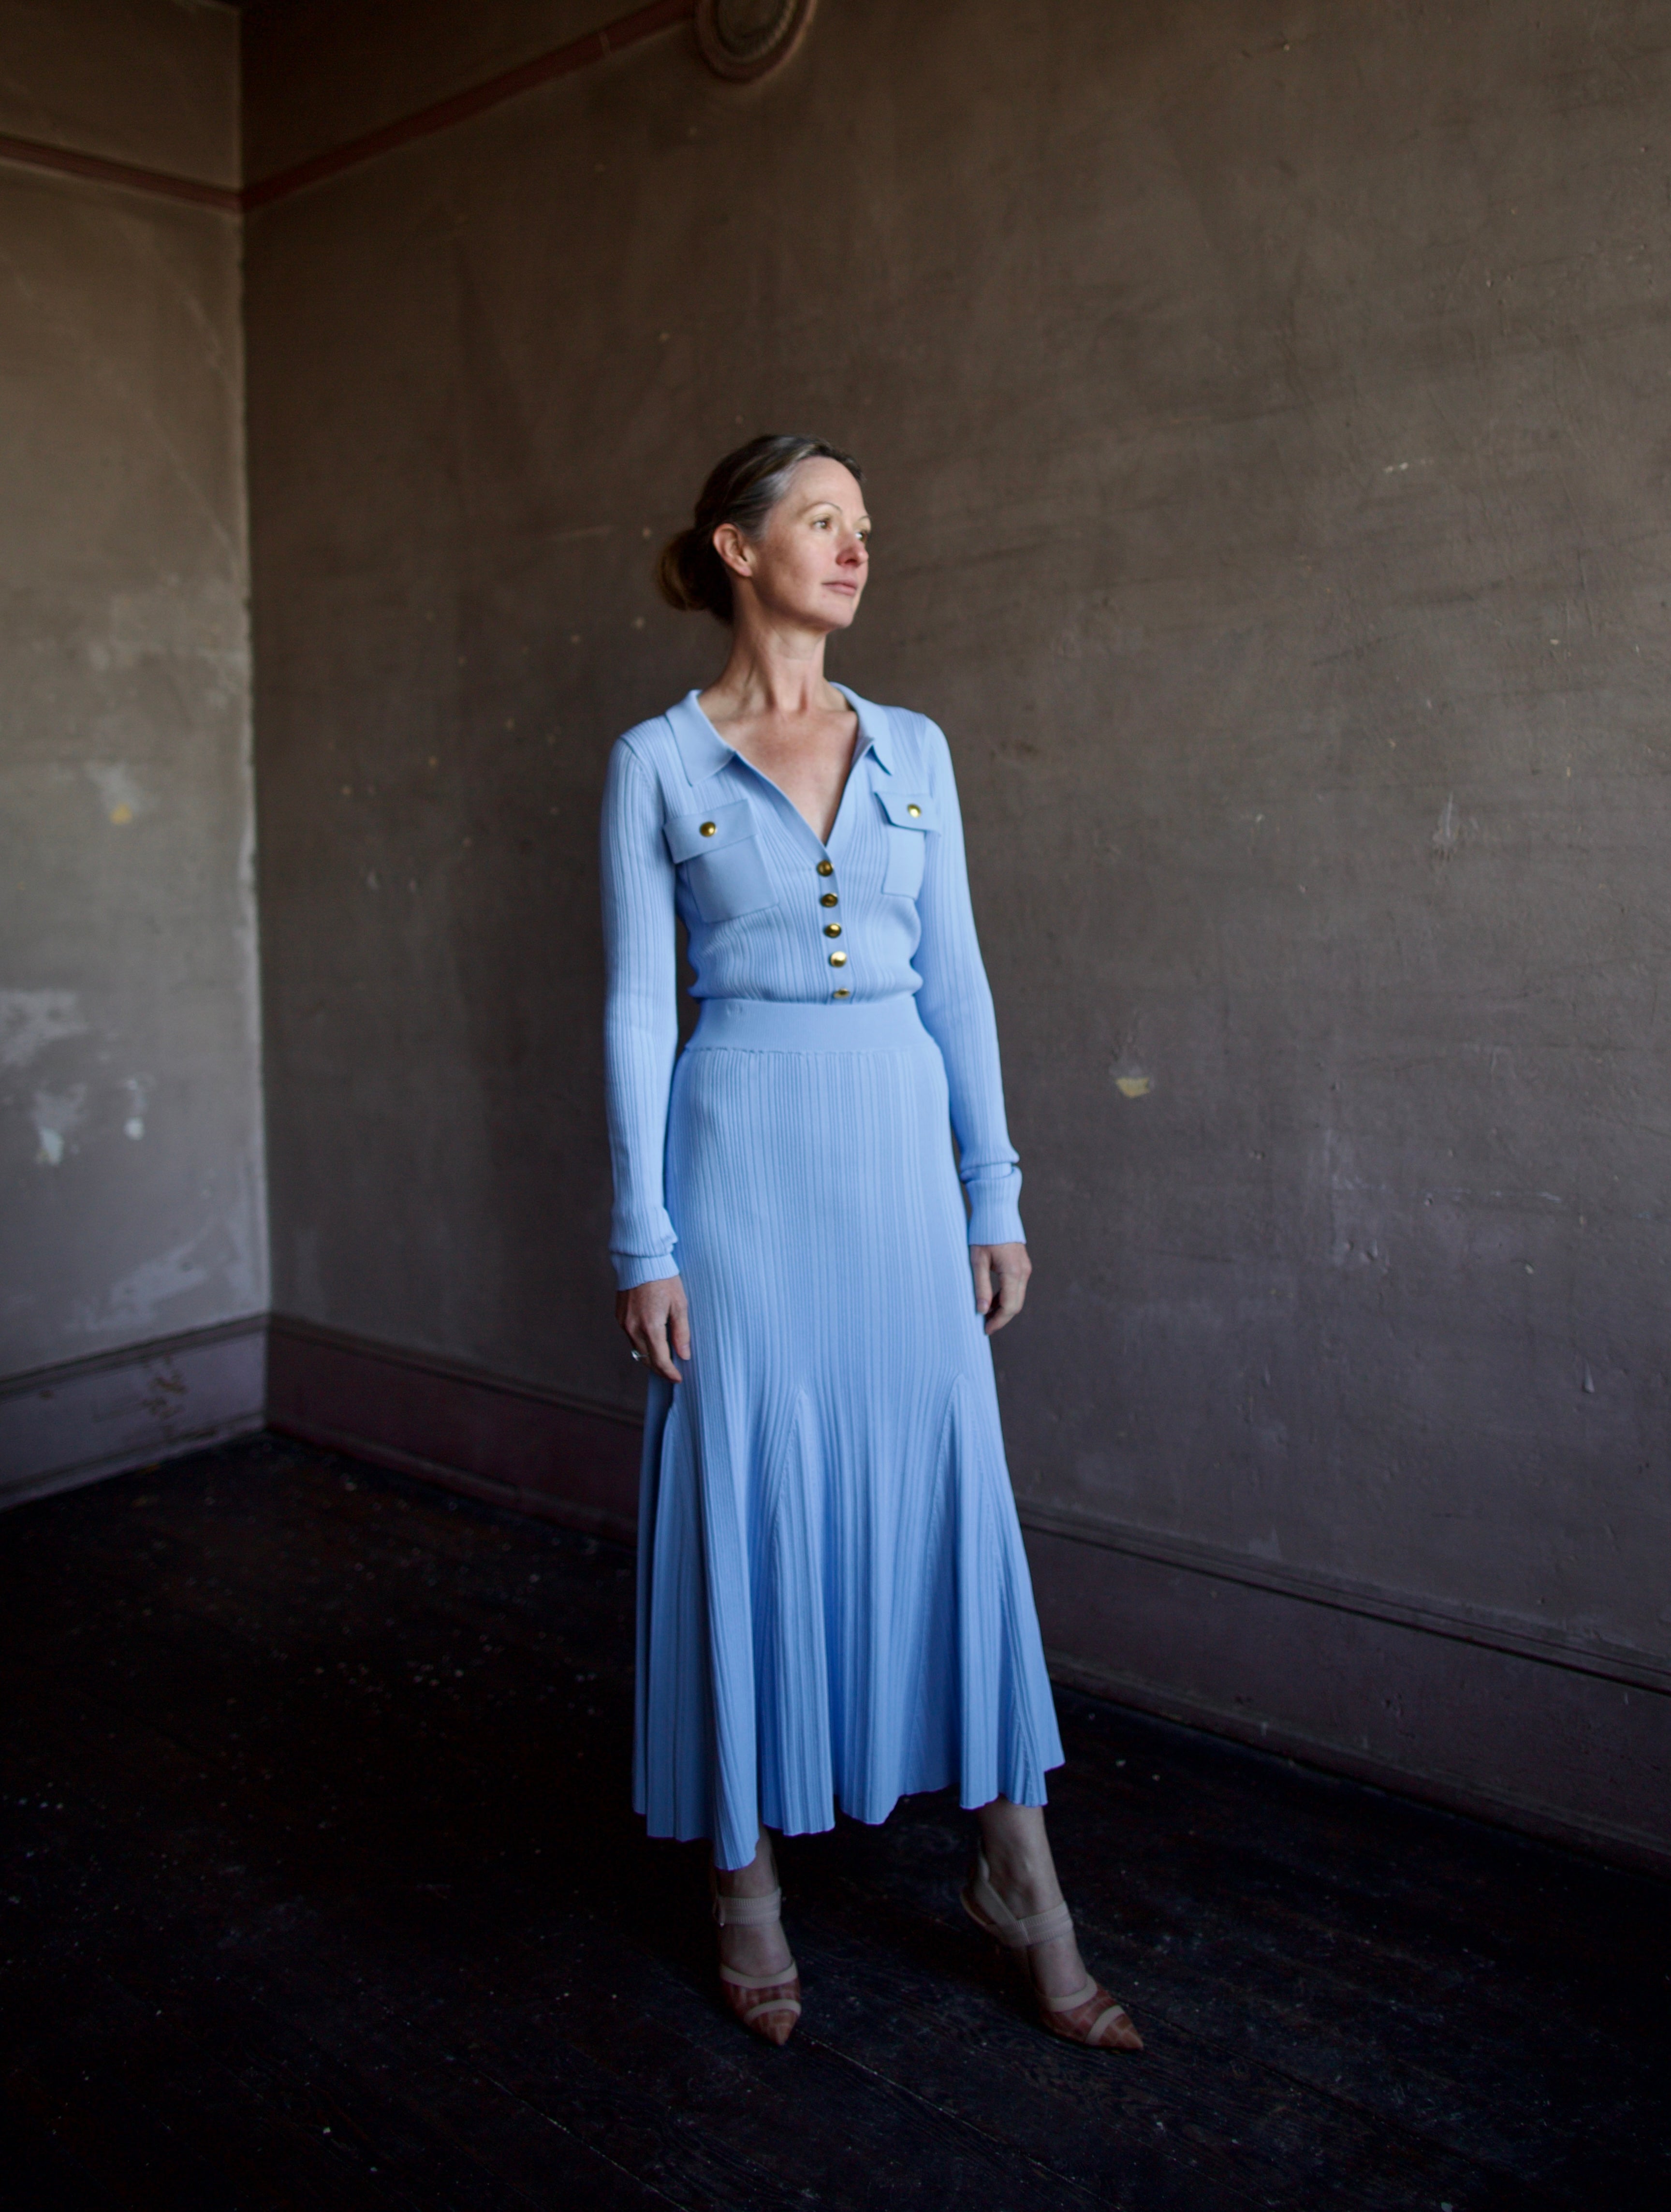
834 1601
748 888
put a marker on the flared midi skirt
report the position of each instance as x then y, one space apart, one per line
835 1607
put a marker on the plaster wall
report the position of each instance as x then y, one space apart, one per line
132 1178
150 82
1264 417
321 74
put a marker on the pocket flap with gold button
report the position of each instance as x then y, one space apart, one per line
912 812
723 865
688 835
910 809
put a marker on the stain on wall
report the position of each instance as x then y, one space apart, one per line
1264 410
132 1178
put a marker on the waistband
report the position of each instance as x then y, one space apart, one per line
797 1026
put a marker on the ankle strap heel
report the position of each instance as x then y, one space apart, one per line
1090 2017
1019 1930
747 1911
769 2004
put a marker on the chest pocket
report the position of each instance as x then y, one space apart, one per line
910 814
719 853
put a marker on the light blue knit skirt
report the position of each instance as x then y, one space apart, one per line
834 1605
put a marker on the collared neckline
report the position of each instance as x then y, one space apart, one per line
703 752
872 729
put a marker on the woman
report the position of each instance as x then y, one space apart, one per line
834 1603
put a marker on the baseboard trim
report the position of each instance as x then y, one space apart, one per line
82 1420
1559 1737
548 1452
1574 1831
1520 1737
1638 1670
568 1513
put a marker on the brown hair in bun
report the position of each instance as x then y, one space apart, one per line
742 489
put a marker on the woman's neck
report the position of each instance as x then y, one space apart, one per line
773 674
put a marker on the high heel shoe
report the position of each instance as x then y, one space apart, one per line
1090 2017
772 2016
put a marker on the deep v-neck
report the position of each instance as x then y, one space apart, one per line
860 742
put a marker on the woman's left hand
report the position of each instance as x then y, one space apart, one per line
1000 1281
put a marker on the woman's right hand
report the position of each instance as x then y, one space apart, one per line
654 1315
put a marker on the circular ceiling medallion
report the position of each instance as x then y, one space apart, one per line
742 39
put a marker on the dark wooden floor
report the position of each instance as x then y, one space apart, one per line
317 1887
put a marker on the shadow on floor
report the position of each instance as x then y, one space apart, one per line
319 1888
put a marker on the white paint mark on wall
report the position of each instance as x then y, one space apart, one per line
1356 1204
202 623
31 1020
1449 828
56 1115
119 790
138 1088
133 1302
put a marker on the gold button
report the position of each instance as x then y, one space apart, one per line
708 829
838 960
841 995
829 899
913 809
832 929
826 867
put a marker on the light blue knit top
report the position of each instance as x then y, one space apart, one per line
881 911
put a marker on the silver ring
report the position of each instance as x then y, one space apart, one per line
639 1357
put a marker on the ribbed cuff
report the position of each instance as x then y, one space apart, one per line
994 1209
631 1268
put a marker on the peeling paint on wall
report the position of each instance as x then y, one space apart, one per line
119 790
138 1300
197 620
31 1020
131 1168
56 1115
138 1088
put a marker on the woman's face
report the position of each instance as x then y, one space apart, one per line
809 564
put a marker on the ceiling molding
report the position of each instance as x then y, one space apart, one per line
444 114
125 176
628 30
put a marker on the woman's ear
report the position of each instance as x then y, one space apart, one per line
733 548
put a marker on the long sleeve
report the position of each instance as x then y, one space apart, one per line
956 1006
641 1017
